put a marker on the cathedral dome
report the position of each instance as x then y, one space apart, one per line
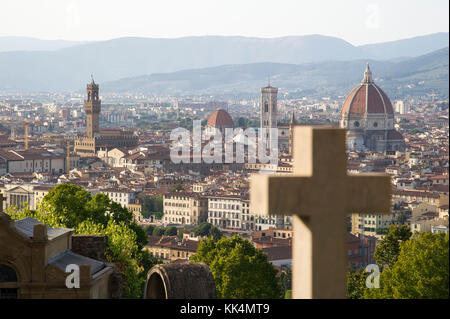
220 118
394 135
367 98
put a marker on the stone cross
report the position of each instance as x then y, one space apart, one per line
319 195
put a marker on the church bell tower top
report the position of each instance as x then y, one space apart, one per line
92 85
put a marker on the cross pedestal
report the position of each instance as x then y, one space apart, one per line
320 195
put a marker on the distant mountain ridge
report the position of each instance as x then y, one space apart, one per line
411 47
334 77
68 68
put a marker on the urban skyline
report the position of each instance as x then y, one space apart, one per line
224 167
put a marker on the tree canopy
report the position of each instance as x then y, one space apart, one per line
420 271
356 284
170 231
71 206
239 269
206 229
177 187
157 231
387 251
286 281
151 205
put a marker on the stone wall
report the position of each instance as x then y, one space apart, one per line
92 246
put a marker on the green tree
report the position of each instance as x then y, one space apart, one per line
215 233
67 202
158 231
202 229
151 205
101 204
141 236
206 229
177 187
387 251
239 269
180 232
356 283
170 231
119 213
149 229
96 208
421 270
124 250
71 206
146 204
158 209
286 280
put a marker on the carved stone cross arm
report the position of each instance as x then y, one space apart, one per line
368 193
292 195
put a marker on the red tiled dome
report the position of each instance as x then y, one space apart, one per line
220 118
394 135
367 98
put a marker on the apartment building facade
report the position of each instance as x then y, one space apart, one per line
225 212
184 208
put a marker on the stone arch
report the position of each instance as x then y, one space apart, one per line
7 273
156 288
8 281
180 281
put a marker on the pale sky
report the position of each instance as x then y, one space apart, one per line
356 21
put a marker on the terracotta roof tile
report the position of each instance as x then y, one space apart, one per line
367 96
220 118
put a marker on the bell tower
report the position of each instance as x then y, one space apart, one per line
269 111
92 107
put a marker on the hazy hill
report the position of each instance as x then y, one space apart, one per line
335 77
69 68
411 47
